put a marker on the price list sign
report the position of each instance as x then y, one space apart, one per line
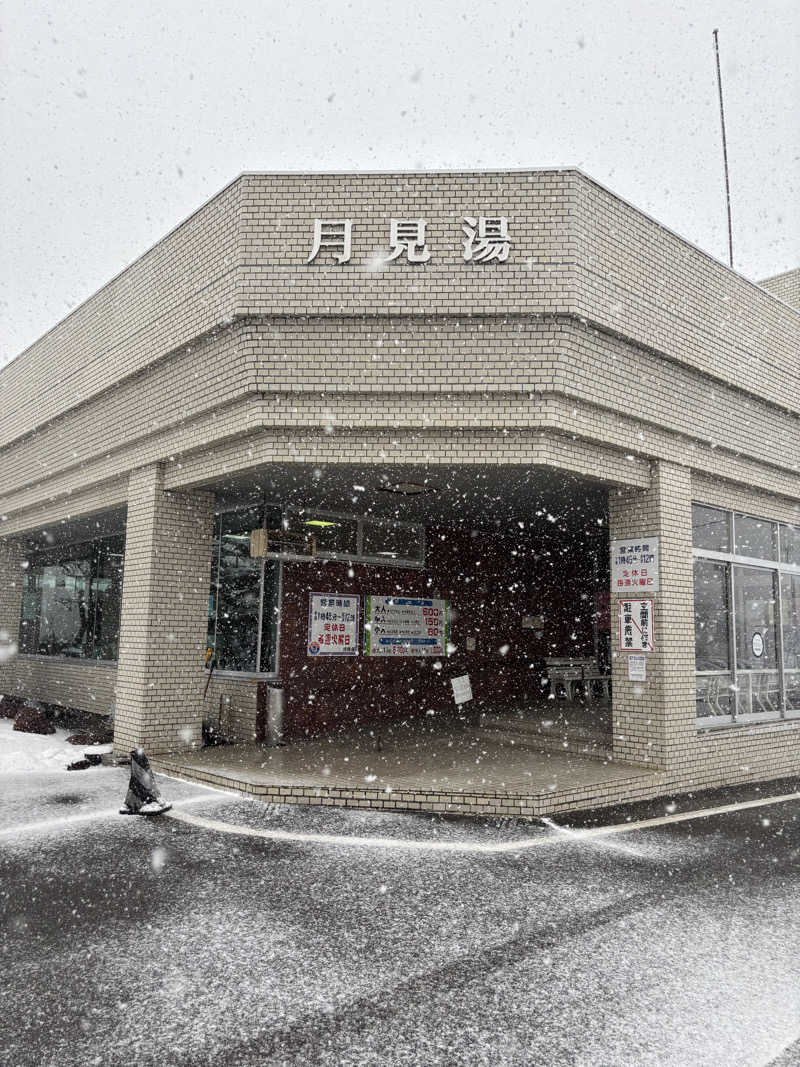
405 626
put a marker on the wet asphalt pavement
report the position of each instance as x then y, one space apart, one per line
158 941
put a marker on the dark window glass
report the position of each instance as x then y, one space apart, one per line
334 537
711 634
757 538
790 544
758 680
71 600
270 623
756 646
392 540
238 591
213 593
108 599
710 528
790 597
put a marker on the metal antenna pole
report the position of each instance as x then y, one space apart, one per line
724 150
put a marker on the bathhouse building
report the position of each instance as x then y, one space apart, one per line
426 449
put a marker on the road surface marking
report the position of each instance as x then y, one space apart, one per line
560 834
88 816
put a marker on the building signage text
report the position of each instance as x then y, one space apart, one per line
405 626
636 626
485 239
333 624
634 565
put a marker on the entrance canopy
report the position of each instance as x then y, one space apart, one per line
491 497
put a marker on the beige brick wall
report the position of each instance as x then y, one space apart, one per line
174 293
785 286
71 683
651 718
172 354
231 704
164 609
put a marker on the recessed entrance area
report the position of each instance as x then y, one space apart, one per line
510 562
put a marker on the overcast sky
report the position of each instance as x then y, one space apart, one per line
119 119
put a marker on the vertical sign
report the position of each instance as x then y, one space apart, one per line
333 624
405 626
636 626
634 565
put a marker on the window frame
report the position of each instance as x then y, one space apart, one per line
53 556
257 674
777 568
287 514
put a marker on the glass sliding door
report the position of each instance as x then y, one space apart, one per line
790 622
755 611
712 640
244 598
238 592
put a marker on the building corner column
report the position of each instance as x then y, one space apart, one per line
163 622
654 719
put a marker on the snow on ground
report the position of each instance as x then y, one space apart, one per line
172 944
22 753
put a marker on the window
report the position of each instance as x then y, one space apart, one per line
71 600
244 598
747 617
756 538
393 540
710 528
353 538
712 639
335 535
790 545
243 601
790 623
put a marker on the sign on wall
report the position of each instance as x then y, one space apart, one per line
333 624
462 689
634 565
405 626
485 239
636 626
637 668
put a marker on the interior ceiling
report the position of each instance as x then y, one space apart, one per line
479 497
84 528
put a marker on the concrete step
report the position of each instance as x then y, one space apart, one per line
546 736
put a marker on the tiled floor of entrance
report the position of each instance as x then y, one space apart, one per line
459 768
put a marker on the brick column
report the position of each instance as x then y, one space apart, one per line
160 674
654 719
11 575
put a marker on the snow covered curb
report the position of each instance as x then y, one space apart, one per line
22 753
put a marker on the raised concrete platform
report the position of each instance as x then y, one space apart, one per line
462 770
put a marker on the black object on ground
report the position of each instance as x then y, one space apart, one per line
79 765
143 797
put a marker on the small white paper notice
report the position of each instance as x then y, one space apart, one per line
462 689
637 668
